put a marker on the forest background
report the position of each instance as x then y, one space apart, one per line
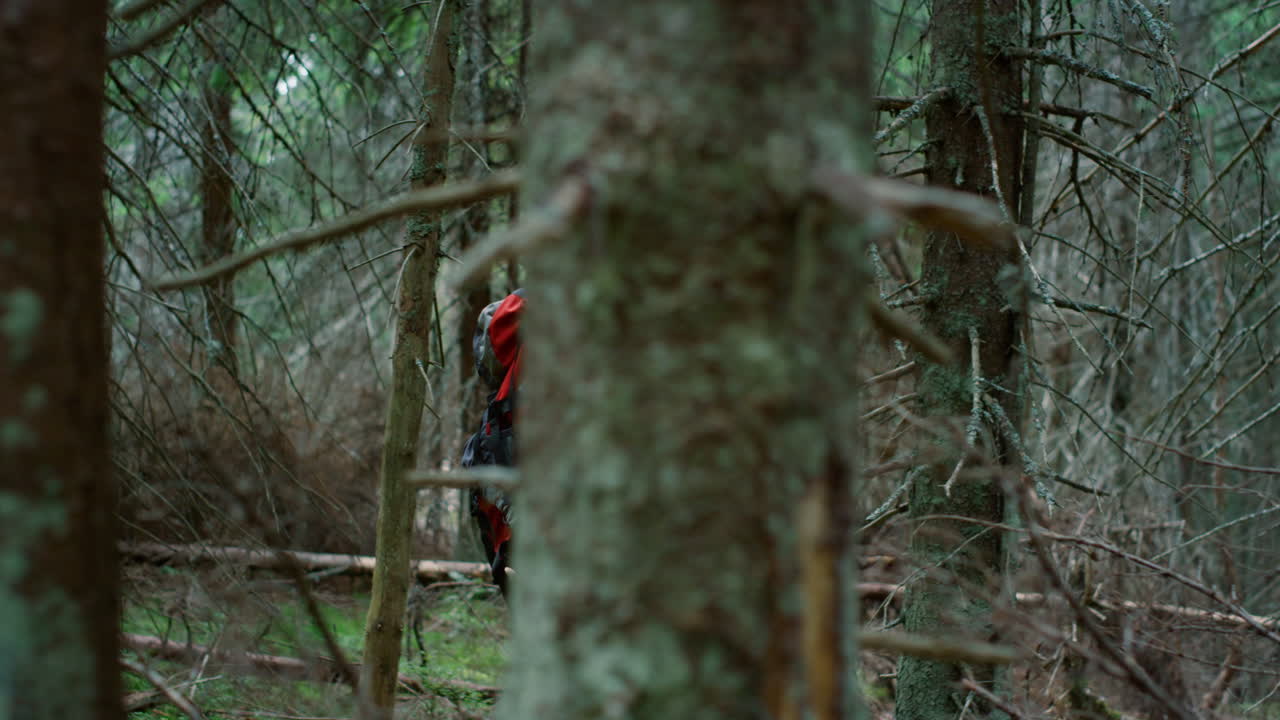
1031 474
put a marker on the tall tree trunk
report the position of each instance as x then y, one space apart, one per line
59 582
463 396
691 353
385 622
972 295
217 215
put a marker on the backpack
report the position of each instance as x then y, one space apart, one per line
497 350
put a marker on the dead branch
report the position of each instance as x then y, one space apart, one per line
893 374
489 476
161 554
449 195
1204 461
1051 57
1069 304
317 670
182 703
1217 691
901 327
938 648
907 114
1191 614
992 699
972 218
157 34
534 229
887 103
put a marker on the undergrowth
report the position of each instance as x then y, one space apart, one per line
454 635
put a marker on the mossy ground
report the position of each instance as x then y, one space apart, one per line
462 628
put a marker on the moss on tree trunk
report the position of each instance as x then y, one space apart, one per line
692 346
59 579
384 625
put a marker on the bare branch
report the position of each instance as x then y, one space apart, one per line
159 32
490 476
133 10
1051 57
933 647
972 218
186 706
1078 306
893 374
534 229
897 325
915 110
453 194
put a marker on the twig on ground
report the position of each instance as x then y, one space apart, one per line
185 705
317 669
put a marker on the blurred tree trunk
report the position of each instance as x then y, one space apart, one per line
385 622
217 214
972 294
59 582
692 351
463 397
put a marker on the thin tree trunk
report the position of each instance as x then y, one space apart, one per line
973 296
463 396
217 215
59 579
397 501
688 379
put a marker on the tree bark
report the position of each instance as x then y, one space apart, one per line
691 350
971 293
385 623
217 214
59 583
463 396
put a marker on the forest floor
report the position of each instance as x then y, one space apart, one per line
455 633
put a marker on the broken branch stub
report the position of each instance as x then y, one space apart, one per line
973 219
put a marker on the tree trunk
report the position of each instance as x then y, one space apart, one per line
971 294
217 216
59 583
463 397
689 382
385 622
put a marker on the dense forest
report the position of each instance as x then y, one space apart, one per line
666 359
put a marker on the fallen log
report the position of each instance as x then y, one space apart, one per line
162 554
318 669
880 591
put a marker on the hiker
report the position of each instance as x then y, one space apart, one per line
497 351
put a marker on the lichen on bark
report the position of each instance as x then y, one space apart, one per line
691 352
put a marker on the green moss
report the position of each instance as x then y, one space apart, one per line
21 313
16 434
946 387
